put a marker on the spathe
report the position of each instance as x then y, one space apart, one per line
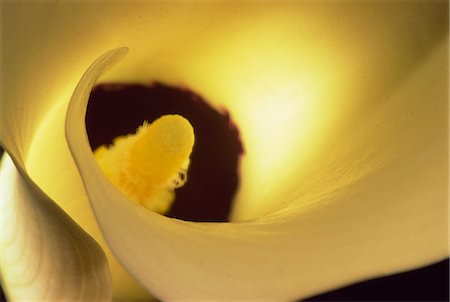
360 200
40 241
267 258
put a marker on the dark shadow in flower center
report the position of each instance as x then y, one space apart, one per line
213 176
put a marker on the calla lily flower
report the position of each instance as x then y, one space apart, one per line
342 107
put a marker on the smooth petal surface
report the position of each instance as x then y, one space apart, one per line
39 74
348 96
44 254
353 224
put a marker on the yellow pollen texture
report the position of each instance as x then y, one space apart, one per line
149 165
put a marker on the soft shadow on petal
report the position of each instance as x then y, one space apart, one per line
42 71
45 255
48 164
398 208
340 52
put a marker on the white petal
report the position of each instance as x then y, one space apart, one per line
335 54
386 214
45 255
42 71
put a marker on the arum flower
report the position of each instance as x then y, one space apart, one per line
342 108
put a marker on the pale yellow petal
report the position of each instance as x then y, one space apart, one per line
311 68
44 254
55 163
381 191
42 71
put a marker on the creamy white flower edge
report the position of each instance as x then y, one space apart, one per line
45 255
366 232
398 208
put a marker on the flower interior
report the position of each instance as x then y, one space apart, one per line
155 167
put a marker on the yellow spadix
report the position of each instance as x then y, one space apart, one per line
148 166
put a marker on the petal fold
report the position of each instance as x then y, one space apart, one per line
393 204
374 184
44 254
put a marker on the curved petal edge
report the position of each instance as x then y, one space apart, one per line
44 254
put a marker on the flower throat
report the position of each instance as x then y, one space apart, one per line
117 110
